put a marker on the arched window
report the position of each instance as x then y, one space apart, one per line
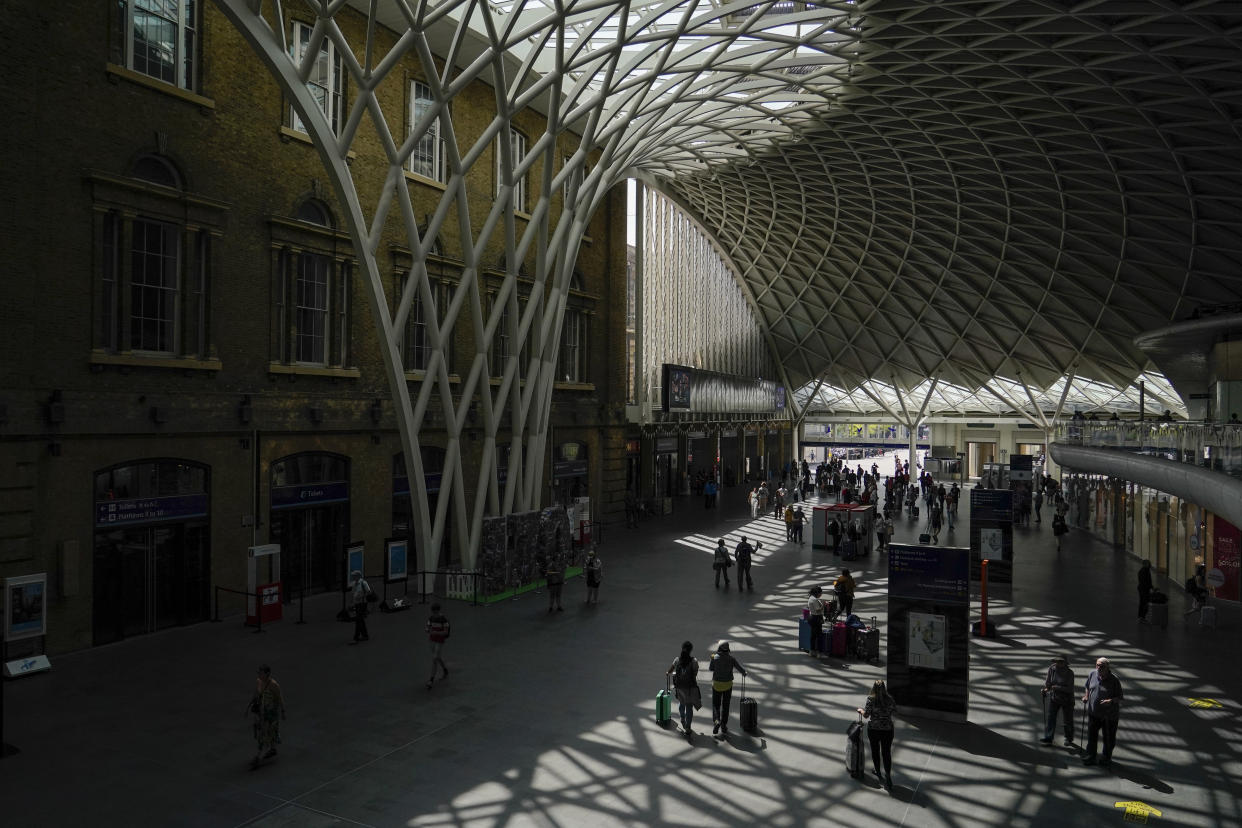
157 170
313 211
153 289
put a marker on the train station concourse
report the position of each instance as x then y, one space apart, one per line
446 296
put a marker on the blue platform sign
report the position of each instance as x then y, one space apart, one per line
929 573
149 509
309 494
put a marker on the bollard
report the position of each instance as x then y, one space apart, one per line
982 628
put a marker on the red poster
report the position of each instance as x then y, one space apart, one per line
1225 559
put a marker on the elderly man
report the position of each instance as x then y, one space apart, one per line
1102 696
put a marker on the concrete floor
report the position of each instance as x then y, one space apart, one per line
546 720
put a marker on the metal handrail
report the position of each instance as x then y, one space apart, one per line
1215 446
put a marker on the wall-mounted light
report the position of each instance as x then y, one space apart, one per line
377 411
316 415
244 410
159 414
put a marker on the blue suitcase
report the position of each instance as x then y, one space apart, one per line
804 637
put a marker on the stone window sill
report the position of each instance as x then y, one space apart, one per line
313 371
155 361
114 71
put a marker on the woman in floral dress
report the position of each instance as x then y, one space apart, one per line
268 707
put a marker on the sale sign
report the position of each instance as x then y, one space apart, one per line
1225 559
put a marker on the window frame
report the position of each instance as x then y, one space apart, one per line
433 135
187 47
334 87
190 223
521 147
298 244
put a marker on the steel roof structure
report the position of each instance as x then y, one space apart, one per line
977 198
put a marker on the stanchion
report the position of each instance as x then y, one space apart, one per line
981 628
216 616
301 605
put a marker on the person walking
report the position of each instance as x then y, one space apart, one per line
1038 501
1058 693
594 570
709 493
934 519
1144 590
438 630
361 595
685 673
844 586
722 665
631 509
763 498
1102 695
754 502
721 563
789 523
742 554
267 705
555 575
878 711
815 617
799 517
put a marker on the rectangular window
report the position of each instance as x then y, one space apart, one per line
326 81
518 142
572 342
427 157
154 265
418 345
312 309
501 343
159 38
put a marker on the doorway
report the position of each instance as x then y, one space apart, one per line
310 520
978 455
149 578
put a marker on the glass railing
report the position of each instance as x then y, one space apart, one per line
1213 446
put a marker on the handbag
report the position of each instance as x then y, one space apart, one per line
372 597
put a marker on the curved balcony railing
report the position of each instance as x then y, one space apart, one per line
1217 447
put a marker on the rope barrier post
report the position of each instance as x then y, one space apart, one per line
216 599
301 605
258 612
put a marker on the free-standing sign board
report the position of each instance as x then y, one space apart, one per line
263 580
25 606
991 533
929 629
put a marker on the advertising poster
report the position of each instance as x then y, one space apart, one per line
354 556
992 543
927 641
676 388
398 560
1225 558
25 608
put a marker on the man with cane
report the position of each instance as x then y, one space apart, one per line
1058 693
1102 698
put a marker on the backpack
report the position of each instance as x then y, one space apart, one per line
684 676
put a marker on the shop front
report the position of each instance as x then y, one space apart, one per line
152 548
310 520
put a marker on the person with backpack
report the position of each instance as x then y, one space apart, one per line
834 533
721 563
437 633
878 712
799 517
685 673
722 665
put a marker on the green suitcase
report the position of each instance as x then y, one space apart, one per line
664 705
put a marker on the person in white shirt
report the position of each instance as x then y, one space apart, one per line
815 605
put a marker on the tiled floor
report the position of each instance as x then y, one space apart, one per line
547 719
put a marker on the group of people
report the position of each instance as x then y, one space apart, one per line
685 677
819 610
1101 698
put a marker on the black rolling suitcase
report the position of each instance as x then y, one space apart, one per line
867 642
854 748
750 711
